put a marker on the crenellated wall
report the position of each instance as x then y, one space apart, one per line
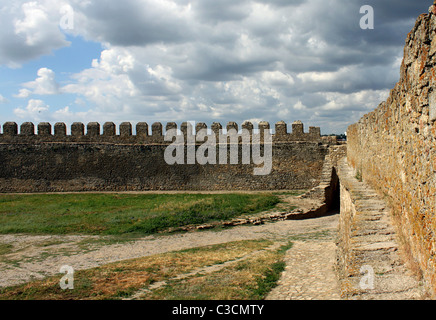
44 158
94 132
393 148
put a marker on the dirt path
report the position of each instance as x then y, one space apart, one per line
29 257
309 273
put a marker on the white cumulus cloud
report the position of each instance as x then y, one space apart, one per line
29 30
45 84
35 110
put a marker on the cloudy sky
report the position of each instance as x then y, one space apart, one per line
200 60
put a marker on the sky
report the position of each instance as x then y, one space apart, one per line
200 60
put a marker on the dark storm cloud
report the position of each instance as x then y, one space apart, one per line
212 11
212 29
337 26
132 23
235 60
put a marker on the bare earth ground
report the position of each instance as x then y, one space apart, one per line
29 257
39 256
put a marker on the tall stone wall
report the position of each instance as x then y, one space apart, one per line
94 158
393 148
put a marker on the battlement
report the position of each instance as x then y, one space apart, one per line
45 132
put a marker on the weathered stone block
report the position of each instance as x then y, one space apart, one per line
315 132
298 128
44 129
27 129
142 129
77 129
281 129
93 129
10 129
125 129
109 129
60 129
156 129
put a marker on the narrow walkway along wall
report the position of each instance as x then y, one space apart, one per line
370 260
393 148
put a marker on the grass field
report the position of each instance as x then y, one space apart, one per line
115 214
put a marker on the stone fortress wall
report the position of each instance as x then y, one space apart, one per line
393 148
45 133
50 160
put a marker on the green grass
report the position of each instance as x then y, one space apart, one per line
359 176
271 275
115 214
5 248
290 193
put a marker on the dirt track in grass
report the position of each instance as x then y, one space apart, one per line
28 257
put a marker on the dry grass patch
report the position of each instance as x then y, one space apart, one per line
250 279
121 279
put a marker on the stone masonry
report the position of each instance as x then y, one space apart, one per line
392 149
100 159
370 259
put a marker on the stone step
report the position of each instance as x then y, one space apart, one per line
376 245
371 243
